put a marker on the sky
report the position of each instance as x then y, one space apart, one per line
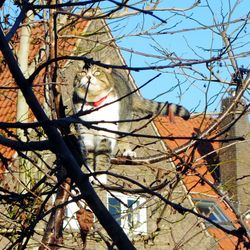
181 85
196 44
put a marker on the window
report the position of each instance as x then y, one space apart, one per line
70 221
212 211
129 212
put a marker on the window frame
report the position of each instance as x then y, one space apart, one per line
215 210
139 212
71 209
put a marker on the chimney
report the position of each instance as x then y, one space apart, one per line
235 157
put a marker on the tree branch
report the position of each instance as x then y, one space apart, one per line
64 154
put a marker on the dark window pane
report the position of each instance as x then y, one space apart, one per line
130 203
211 210
115 209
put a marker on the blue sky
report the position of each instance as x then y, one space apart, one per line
180 85
197 44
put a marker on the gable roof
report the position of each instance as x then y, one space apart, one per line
200 179
190 128
8 90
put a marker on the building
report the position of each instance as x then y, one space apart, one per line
150 222
203 181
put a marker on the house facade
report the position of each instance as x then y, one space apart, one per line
203 179
150 221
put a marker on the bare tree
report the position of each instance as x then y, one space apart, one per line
130 202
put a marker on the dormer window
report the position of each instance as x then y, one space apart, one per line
212 211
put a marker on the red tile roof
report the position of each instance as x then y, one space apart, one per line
181 128
8 88
192 179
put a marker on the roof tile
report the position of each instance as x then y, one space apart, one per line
8 88
192 181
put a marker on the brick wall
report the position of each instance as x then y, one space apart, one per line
235 157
